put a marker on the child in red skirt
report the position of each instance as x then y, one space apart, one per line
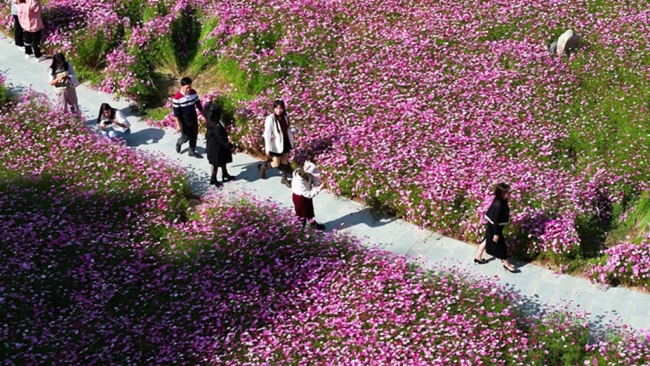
303 189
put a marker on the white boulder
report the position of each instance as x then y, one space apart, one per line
567 43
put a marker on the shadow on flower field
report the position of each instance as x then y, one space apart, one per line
87 286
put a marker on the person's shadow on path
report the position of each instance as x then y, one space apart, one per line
146 136
366 216
250 173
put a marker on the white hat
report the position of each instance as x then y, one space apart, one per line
310 168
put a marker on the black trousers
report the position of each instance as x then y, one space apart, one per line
189 133
33 41
18 33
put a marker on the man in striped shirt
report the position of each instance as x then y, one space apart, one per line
184 105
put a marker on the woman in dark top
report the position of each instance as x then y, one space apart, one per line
218 148
498 215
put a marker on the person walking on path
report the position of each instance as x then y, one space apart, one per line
18 29
64 81
218 147
112 122
184 105
29 17
304 191
498 215
278 142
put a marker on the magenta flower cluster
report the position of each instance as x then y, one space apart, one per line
625 263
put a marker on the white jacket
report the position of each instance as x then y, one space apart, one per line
303 187
273 139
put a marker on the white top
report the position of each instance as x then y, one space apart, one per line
273 139
303 187
73 77
119 117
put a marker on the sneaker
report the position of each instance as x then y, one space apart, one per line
42 58
178 148
21 47
195 154
29 56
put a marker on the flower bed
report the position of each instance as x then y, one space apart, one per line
416 108
102 263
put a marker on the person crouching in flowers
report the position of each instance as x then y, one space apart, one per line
218 147
498 215
304 191
112 122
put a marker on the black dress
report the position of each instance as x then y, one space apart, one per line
497 216
218 148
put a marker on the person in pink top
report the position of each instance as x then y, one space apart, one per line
29 16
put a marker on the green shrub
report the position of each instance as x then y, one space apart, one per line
203 58
5 97
91 50
133 9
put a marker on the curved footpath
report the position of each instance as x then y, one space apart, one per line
538 285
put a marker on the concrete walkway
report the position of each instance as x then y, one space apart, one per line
538 285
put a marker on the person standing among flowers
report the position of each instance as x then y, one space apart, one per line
64 81
218 147
112 122
498 215
29 17
184 105
304 191
18 29
278 142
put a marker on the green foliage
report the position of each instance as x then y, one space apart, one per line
203 57
133 9
186 31
227 108
5 96
91 50
592 235
246 85
635 223
157 114
143 70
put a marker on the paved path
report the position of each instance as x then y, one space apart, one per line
540 286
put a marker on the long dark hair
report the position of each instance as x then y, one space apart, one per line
500 191
55 60
280 102
105 107
212 115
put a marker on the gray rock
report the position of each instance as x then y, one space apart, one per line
568 42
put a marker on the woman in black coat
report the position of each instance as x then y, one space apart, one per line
219 149
498 215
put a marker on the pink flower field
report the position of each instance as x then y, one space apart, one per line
106 259
417 108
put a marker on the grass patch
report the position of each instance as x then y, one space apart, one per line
635 223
